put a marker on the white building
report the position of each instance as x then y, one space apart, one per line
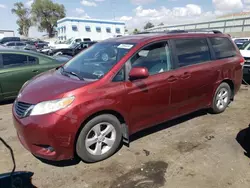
96 30
6 33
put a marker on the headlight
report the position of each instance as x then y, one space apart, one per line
51 106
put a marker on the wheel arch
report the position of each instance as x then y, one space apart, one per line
231 84
119 116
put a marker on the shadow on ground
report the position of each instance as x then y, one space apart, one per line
64 163
243 138
7 102
167 125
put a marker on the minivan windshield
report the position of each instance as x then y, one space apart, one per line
94 62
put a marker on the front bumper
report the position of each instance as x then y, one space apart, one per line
48 136
246 70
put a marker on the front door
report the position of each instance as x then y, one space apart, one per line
16 70
149 98
194 73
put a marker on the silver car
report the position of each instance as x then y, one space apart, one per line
19 45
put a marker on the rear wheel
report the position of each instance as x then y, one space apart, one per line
221 98
99 138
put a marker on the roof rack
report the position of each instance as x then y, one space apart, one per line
183 31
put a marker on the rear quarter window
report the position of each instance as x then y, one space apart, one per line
223 47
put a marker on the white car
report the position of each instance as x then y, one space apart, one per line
69 42
240 41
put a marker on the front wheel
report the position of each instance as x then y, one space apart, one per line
221 98
99 138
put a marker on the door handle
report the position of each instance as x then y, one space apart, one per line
186 75
35 71
172 79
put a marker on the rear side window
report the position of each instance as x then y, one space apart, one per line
11 44
33 60
13 60
20 44
192 51
78 40
223 47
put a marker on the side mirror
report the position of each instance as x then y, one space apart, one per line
138 73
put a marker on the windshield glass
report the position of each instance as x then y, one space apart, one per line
73 45
245 46
69 41
94 62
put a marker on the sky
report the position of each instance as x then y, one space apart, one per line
135 13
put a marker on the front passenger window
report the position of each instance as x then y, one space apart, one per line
156 58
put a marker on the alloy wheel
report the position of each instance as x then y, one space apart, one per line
100 139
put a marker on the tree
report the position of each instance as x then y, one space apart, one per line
45 14
24 21
148 25
136 31
161 24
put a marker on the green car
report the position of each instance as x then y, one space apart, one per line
17 67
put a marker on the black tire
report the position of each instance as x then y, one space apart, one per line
215 109
81 149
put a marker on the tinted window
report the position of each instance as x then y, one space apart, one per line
86 39
20 44
156 58
10 44
78 40
11 60
192 51
33 60
223 48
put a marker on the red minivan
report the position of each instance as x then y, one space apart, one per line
120 86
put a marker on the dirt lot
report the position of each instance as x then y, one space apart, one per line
198 151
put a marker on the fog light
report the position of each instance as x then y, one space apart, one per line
51 149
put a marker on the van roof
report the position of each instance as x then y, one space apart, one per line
137 38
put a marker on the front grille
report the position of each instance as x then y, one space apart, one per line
247 60
23 109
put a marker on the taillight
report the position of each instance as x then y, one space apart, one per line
36 44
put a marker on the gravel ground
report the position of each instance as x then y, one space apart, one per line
198 150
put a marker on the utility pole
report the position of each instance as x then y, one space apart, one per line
112 2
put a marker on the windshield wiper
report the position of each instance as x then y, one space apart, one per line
72 73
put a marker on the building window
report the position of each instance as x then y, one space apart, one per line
88 29
64 29
108 30
98 29
118 30
74 28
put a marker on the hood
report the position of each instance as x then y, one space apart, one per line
245 53
48 86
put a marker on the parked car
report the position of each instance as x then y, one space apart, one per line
19 45
245 52
41 44
18 66
9 39
123 85
70 42
73 50
30 45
